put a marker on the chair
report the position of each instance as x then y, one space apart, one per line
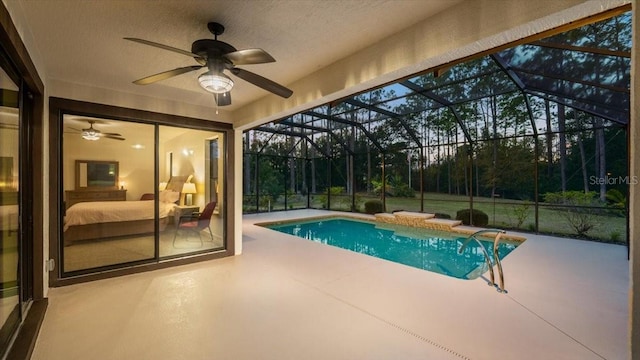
196 222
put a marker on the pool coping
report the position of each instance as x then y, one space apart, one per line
401 230
458 228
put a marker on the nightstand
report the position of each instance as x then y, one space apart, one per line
181 210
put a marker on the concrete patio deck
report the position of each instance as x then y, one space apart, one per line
290 298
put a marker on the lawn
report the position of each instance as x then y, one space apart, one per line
503 214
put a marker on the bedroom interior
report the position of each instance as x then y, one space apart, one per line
120 208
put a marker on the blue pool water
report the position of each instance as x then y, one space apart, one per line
434 251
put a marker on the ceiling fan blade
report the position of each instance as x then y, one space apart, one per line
111 134
223 99
166 74
166 47
71 128
262 82
249 56
113 137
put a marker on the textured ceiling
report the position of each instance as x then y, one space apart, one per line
82 41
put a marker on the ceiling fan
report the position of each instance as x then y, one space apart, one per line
218 56
94 134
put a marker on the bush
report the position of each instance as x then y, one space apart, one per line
580 220
373 207
479 217
399 188
615 236
521 212
404 190
617 202
442 216
377 187
266 202
578 209
572 197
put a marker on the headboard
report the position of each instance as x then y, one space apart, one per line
176 183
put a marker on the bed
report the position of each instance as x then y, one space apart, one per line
106 219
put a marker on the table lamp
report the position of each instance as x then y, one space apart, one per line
189 189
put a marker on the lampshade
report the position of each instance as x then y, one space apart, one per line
216 83
162 186
189 188
90 135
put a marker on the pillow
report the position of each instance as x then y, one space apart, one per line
169 196
173 196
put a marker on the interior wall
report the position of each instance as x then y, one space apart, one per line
188 160
133 171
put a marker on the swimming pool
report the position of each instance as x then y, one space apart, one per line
420 248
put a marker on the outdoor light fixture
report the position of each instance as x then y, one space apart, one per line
215 82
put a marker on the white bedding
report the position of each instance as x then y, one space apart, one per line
9 217
84 213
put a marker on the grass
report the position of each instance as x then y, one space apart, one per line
503 213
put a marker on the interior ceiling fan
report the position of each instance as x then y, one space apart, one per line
217 57
92 133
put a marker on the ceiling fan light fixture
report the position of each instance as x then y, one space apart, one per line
90 135
216 83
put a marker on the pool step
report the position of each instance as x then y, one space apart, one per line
428 221
416 219
411 218
442 224
385 218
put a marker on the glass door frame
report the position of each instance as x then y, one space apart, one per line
33 304
58 107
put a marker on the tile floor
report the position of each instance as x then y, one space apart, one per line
288 298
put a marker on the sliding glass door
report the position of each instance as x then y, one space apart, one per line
135 193
107 166
10 239
191 169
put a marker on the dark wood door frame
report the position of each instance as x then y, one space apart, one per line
33 194
58 107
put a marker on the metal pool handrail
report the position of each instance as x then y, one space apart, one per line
487 259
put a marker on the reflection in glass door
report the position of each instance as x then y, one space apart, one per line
137 192
196 223
108 178
9 210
